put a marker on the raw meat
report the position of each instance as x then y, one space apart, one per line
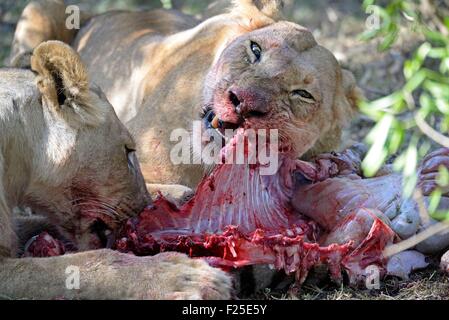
306 214
44 245
239 217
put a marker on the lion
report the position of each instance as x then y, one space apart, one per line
65 154
162 70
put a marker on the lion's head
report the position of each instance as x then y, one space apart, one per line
278 77
85 174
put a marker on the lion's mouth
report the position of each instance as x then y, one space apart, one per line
235 107
104 233
213 122
102 220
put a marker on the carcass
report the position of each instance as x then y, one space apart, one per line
293 220
307 214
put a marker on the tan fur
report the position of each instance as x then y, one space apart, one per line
63 152
53 58
271 9
158 80
175 193
41 20
107 274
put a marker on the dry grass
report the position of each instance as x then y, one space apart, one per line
430 284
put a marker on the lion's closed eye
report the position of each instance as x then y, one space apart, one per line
303 95
303 103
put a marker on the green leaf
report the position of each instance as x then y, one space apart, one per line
438 53
411 160
410 67
443 177
382 103
377 153
435 37
437 77
423 51
446 22
424 148
369 34
445 124
415 81
434 201
444 67
166 4
427 104
409 185
426 79
442 105
399 163
396 139
367 3
389 39
438 90
440 215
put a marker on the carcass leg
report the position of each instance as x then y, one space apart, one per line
369 233
445 262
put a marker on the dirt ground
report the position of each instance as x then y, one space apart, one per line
336 25
429 284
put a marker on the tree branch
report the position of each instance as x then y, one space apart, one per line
431 132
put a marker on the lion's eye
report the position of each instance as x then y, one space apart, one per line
303 94
130 156
129 150
256 50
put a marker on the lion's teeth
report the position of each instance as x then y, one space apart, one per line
227 139
110 236
215 122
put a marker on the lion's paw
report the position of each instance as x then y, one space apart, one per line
194 279
177 194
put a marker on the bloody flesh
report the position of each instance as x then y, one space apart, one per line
44 245
239 217
293 220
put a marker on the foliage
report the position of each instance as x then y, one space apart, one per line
412 119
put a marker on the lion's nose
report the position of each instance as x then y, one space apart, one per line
249 103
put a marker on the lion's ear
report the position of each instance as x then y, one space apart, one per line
347 98
63 82
352 92
344 109
260 12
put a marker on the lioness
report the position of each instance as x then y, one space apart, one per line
64 153
162 69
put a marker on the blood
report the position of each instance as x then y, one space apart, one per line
44 245
239 217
